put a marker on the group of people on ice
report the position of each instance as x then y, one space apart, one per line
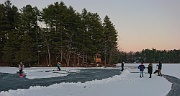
141 68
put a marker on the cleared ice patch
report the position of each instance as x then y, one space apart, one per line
40 72
10 70
35 73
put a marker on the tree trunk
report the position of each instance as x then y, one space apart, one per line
49 54
67 57
61 52
110 56
83 58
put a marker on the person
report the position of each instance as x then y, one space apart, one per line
122 66
58 66
156 71
141 67
21 67
159 68
150 69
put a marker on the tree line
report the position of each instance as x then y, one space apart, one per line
56 33
151 55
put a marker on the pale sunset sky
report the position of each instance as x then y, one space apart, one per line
141 24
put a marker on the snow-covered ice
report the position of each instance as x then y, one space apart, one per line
126 84
171 69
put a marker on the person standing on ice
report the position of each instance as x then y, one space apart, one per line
122 66
141 68
159 68
150 69
58 66
21 67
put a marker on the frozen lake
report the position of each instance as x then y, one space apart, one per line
93 81
14 82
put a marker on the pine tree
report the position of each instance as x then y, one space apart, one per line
10 48
25 54
54 16
110 39
8 28
27 29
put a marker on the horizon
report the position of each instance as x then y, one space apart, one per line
152 49
140 24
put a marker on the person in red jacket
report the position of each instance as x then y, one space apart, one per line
21 67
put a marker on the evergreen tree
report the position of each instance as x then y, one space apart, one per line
10 48
110 39
25 53
92 35
71 33
9 17
54 16
27 29
84 40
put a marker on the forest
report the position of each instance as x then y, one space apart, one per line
151 55
57 33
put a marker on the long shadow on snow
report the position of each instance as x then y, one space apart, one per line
13 81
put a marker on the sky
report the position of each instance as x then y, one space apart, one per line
141 24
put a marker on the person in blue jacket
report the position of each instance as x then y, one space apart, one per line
141 68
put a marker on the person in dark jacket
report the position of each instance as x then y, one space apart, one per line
122 66
159 68
58 66
141 68
150 69
156 70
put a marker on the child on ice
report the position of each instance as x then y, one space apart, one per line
21 67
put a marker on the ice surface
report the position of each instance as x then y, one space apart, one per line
126 84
